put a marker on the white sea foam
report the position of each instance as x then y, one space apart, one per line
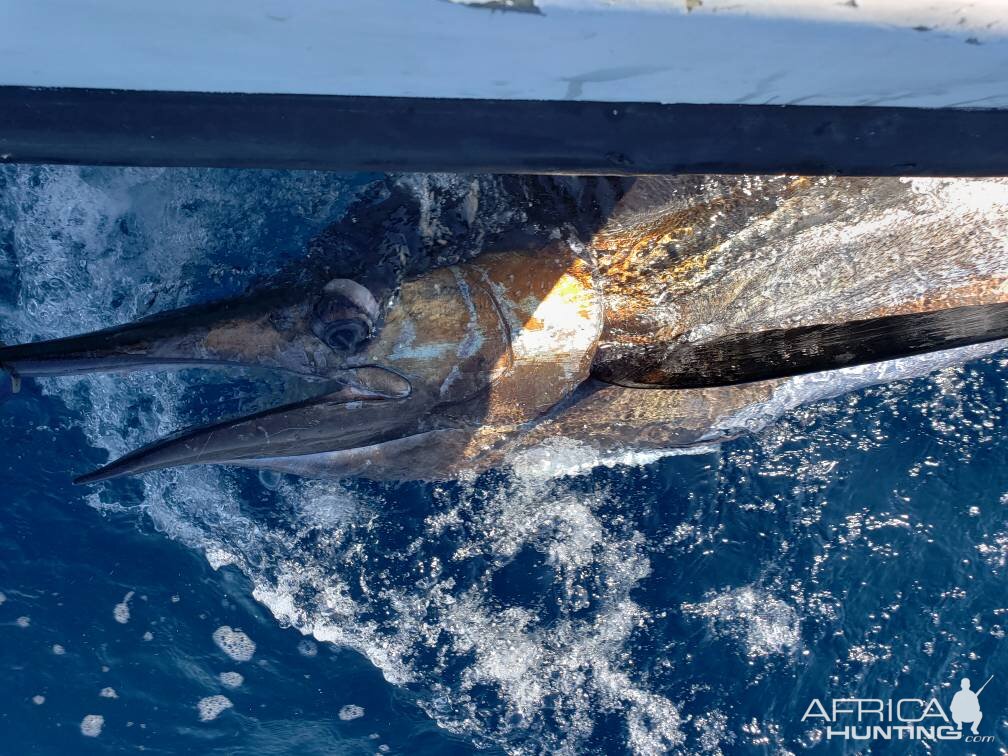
231 679
38 700
3 598
210 708
548 678
234 643
995 551
351 712
763 623
108 693
559 457
121 611
91 725
219 557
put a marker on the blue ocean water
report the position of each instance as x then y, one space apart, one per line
854 547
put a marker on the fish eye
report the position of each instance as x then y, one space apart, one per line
345 335
345 315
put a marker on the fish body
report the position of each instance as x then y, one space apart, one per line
608 314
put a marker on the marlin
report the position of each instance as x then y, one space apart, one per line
615 314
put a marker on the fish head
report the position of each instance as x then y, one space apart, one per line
461 357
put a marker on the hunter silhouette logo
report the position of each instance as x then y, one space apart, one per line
966 705
901 719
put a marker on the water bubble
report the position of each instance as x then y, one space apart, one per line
121 611
211 707
231 679
269 479
91 725
234 643
765 624
351 712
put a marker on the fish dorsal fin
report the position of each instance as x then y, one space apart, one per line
695 211
662 247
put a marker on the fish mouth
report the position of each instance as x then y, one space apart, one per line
372 406
345 401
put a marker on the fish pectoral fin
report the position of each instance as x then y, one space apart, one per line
779 353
